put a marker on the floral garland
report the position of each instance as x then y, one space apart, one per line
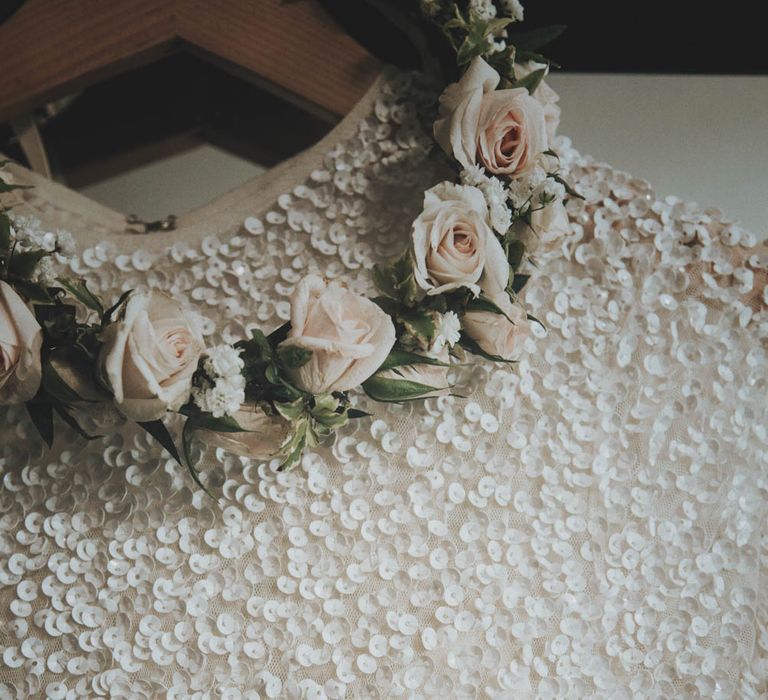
455 290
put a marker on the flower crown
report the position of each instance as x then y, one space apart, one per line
455 290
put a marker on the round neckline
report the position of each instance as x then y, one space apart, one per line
96 224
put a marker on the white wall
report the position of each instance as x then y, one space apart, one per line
702 138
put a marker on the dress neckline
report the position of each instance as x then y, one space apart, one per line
92 223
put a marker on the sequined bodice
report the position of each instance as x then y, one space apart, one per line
587 523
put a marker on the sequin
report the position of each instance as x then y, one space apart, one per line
587 523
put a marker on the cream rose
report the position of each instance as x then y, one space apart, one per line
435 376
453 245
502 130
548 226
545 96
494 333
264 437
551 223
149 356
20 341
349 336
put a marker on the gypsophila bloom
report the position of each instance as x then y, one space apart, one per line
223 361
483 9
224 398
473 175
497 45
448 332
495 196
65 242
521 190
45 273
513 9
551 191
223 392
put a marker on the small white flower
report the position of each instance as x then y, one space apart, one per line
448 332
223 361
223 397
473 175
521 189
537 176
65 242
483 9
497 46
496 196
550 191
224 389
513 9
519 192
45 273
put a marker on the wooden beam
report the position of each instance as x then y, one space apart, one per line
50 48
294 48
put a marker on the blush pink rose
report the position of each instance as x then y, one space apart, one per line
149 356
545 96
349 336
453 245
502 130
20 341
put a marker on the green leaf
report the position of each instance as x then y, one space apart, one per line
187 435
294 448
293 357
531 81
157 430
354 413
79 290
534 39
398 357
518 282
329 412
419 324
23 264
479 35
524 55
515 253
396 280
41 413
33 291
395 390
5 234
278 335
387 305
291 410
223 424
484 303
107 317
496 25
56 386
256 354
531 317
469 344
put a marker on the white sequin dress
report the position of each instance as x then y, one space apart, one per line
590 523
